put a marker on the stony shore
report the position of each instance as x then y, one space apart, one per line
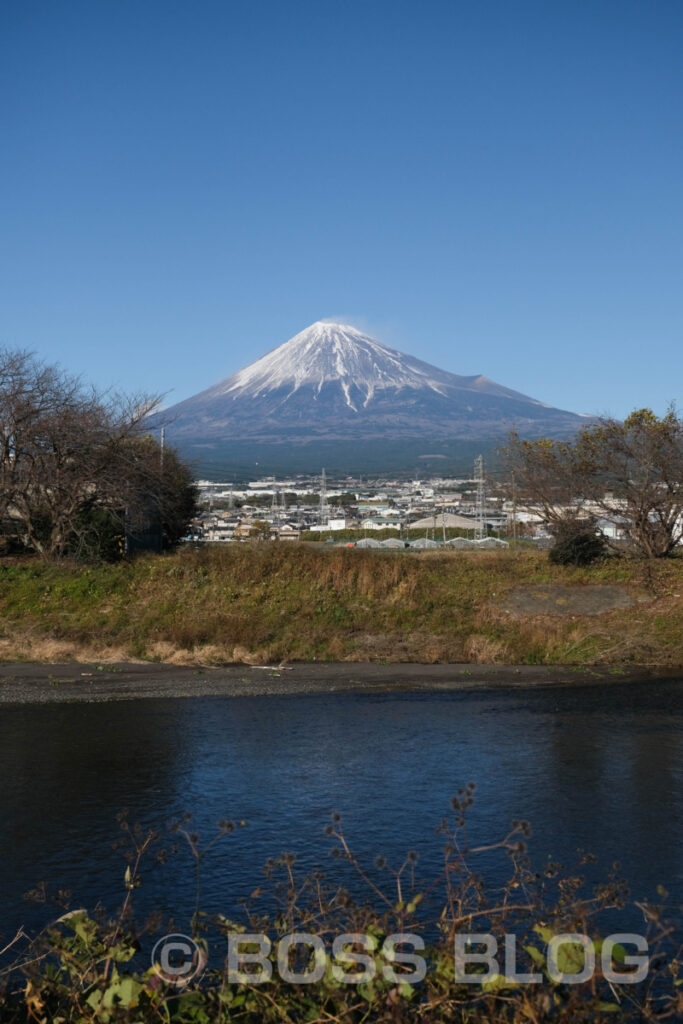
26 683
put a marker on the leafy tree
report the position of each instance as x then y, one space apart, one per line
260 529
343 499
159 489
629 473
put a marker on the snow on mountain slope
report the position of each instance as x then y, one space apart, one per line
328 352
332 386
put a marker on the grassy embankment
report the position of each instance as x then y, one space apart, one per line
273 602
281 602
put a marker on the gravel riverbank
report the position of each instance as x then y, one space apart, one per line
25 683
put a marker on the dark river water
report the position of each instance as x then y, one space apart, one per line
600 768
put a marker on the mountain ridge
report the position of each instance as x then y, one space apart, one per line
332 383
285 363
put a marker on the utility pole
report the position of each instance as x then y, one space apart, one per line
324 510
480 531
161 447
514 511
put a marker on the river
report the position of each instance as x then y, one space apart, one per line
592 767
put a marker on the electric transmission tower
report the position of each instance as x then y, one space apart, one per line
324 510
480 530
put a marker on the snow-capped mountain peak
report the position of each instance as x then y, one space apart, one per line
327 353
335 393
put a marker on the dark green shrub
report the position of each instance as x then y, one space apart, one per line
576 542
97 535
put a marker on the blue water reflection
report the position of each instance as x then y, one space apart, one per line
599 768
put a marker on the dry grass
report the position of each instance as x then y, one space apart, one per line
256 604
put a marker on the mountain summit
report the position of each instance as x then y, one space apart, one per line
338 354
333 386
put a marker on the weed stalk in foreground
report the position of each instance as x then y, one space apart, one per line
88 970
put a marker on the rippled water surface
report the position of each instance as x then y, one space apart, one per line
594 767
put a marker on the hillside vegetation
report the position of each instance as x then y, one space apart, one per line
275 602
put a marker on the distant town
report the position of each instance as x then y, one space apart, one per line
376 512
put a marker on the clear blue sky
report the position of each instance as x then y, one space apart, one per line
493 185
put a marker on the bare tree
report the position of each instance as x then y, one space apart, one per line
629 473
71 458
545 476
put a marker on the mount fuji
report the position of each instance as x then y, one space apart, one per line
334 396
